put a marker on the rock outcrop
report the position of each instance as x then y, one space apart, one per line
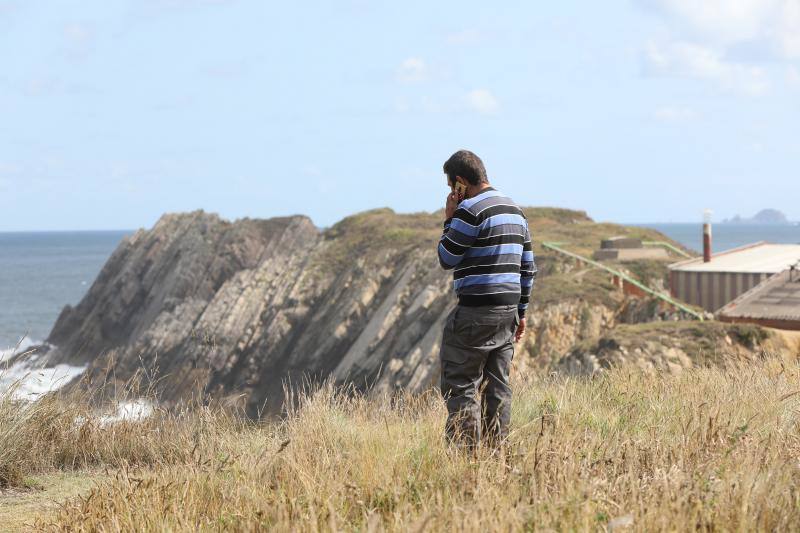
199 305
672 346
240 308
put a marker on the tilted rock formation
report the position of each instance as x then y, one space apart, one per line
237 309
240 308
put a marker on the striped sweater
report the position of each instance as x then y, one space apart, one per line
488 245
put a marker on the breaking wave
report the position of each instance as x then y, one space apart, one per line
28 379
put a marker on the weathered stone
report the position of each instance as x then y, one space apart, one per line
238 309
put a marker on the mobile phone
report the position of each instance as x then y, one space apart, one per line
460 190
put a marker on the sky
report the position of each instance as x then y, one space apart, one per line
115 112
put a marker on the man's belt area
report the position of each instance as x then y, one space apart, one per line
475 300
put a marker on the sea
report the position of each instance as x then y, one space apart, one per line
42 272
727 236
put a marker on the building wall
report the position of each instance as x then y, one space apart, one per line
712 290
766 322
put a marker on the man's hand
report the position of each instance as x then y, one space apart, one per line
451 205
520 330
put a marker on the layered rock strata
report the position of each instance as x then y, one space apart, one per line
236 310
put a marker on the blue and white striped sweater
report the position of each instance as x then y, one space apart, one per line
487 243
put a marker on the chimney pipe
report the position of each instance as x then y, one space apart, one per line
707 236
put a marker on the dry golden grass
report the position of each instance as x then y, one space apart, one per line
711 449
67 430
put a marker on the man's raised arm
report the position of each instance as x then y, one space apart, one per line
460 231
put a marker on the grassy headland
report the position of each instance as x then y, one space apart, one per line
711 448
375 231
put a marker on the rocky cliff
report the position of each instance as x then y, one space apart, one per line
236 309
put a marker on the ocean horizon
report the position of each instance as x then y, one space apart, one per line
42 271
726 236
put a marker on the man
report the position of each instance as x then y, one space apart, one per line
487 244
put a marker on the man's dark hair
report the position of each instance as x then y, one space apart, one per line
467 165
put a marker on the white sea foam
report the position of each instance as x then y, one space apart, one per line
28 381
129 411
23 345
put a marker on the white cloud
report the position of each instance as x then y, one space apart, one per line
720 20
787 34
727 22
734 43
482 101
674 114
689 60
413 70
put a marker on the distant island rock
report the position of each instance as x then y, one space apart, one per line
765 216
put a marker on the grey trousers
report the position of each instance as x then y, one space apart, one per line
477 348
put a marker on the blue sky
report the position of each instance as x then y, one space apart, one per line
112 112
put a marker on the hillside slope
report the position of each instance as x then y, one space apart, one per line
235 309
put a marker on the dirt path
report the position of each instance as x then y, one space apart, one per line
20 507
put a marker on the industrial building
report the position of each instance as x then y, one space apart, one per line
774 303
712 282
627 249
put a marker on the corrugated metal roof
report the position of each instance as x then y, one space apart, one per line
777 298
759 258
